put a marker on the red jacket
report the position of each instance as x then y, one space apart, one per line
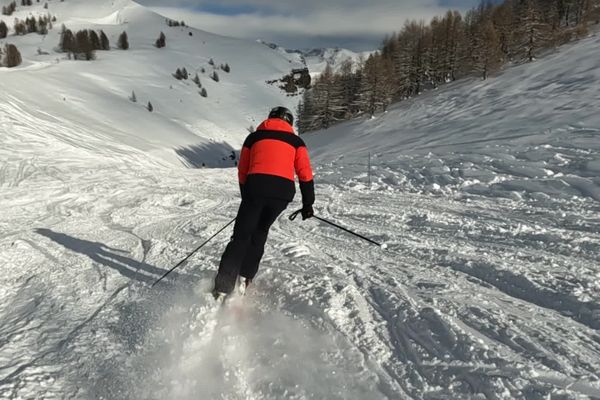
269 159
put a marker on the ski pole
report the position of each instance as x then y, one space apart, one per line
294 215
192 253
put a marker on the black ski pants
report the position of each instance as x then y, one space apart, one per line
245 250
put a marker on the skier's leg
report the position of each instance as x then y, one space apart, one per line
273 208
231 261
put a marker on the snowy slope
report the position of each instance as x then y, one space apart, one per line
97 93
534 129
483 192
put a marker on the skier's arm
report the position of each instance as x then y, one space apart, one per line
243 166
305 176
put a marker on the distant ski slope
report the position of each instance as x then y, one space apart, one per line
96 94
484 192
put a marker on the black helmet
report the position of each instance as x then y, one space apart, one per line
282 113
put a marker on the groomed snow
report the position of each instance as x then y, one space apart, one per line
485 194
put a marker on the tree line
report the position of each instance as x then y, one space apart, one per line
40 26
84 43
9 9
424 56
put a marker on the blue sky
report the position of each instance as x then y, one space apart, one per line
354 24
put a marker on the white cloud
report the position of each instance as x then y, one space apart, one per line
306 23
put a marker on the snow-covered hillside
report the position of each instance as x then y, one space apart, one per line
532 131
485 193
316 60
95 94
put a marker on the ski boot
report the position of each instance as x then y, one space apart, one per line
243 285
219 296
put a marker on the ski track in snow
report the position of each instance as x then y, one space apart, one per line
494 298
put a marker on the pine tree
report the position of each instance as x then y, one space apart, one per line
10 9
104 43
196 80
184 74
161 41
123 42
150 107
42 26
133 97
82 47
20 27
67 41
178 74
94 40
215 76
12 57
203 92
31 25
3 30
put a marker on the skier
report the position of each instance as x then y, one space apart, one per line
266 168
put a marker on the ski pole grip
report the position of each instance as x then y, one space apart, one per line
294 215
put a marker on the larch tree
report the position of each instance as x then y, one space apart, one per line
533 32
487 53
503 18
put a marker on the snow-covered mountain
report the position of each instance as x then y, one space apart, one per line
485 193
316 60
96 94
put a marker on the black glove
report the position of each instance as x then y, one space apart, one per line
307 212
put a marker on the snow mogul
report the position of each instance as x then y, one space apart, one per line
268 160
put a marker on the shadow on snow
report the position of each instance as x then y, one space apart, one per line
135 270
209 155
